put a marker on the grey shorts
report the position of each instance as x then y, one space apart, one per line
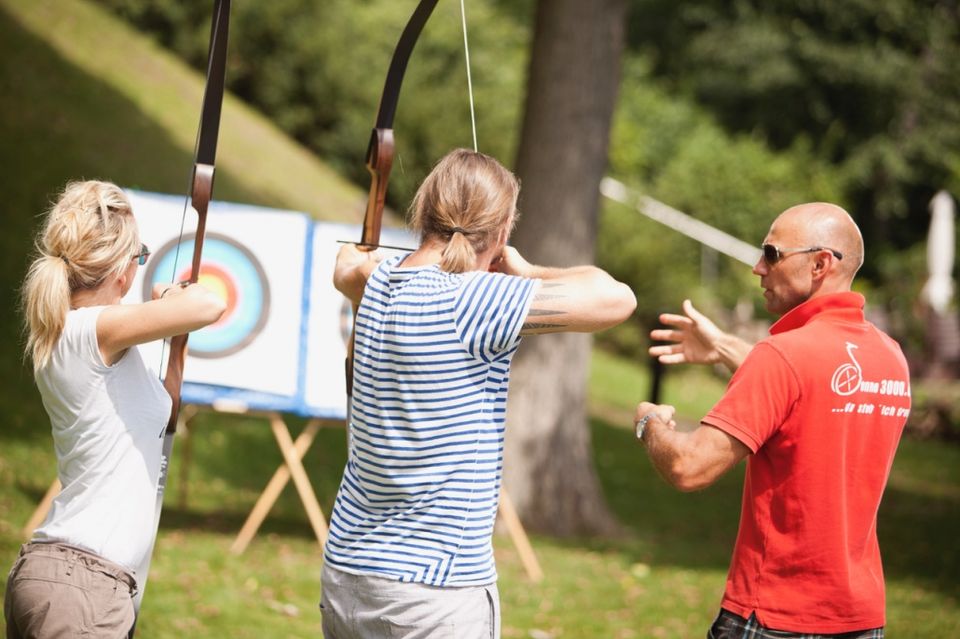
362 607
56 590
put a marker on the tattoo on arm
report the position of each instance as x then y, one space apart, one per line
535 312
542 297
532 326
529 326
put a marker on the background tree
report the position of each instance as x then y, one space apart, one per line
870 86
571 93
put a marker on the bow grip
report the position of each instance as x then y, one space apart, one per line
379 163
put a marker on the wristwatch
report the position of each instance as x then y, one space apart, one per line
642 424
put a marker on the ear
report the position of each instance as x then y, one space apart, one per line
821 265
122 281
503 236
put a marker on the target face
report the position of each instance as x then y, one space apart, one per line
231 271
346 321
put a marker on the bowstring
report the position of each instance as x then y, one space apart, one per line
466 55
176 255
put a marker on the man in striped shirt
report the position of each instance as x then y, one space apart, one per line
410 546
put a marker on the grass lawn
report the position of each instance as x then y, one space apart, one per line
662 578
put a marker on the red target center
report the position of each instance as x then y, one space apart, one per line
217 280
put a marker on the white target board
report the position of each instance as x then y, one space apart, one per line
331 318
280 345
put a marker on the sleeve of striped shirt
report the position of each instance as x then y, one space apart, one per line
490 312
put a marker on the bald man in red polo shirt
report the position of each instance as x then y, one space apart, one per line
818 409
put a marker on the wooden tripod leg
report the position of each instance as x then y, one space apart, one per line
273 489
42 509
519 537
300 479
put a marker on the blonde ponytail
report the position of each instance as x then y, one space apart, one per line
466 201
459 255
90 234
46 300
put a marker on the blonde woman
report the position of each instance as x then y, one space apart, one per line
107 412
409 552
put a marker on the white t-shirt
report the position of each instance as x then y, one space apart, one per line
108 424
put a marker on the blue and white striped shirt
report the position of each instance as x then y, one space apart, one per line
432 356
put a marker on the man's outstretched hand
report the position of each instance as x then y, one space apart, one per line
695 339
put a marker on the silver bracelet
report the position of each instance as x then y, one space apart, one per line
641 425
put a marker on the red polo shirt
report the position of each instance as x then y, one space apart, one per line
821 403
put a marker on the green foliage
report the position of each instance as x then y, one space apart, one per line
317 70
935 410
870 85
900 296
677 153
738 184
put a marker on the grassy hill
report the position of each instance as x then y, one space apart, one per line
85 95
82 95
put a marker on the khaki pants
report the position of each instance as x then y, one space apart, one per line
361 607
58 591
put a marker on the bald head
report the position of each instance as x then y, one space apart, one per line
809 238
826 225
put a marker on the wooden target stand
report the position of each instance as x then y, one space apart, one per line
293 452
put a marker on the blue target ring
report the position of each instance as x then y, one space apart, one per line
231 271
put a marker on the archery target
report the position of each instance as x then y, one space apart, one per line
331 318
231 271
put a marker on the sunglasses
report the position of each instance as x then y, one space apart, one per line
773 254
142 256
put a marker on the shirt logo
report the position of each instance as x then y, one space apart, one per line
846 379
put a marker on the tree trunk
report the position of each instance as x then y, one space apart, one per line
574 75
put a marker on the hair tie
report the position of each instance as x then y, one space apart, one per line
457 229
65 260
